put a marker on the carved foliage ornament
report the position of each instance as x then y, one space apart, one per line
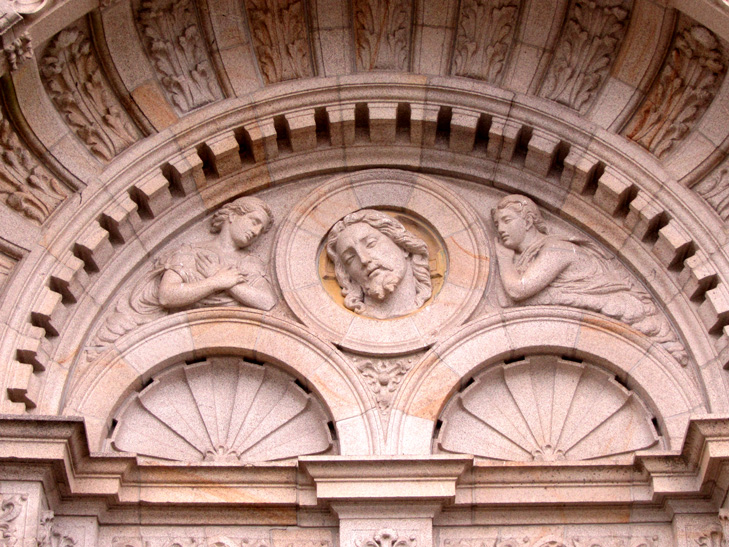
382 34
688 81
280 37
585 51
18 51
383 377
715 190
11 505
25 185
74 81
173 41
388 538
486 29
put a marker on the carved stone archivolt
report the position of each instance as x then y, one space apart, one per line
586 49
486 30
397 320
175 46
25 184
84 98
546 409
715 190
223 409
280 36
382 31
692 74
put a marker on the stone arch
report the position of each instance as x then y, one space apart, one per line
137 357
668 390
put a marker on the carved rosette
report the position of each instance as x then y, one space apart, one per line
281 39
25 185
586 50
222 410
715 190
173 40
82 95
689 80
546 409
486 30
382 31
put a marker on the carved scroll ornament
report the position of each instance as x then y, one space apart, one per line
174 44
382 34
79 91
25 185
486 30
688 82
585 51
537 268
280 37
11 505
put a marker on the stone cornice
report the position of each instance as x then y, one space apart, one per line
54 451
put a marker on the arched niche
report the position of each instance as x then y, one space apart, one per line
98 391
669 391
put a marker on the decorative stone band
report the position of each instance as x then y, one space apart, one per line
453 221
669 392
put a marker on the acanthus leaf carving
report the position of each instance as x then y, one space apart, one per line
582 59
25 184
382 34
486 30
50 535
79 91
11 505
715 190
173 40
18 51
388 537
281 40
384 377
688 81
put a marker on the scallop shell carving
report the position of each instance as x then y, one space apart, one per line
546 409
223 409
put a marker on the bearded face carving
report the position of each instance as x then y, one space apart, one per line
381 267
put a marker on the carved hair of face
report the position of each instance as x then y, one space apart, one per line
249 217
376 259
514 217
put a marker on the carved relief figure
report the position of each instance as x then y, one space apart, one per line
538 268
382 268
218 272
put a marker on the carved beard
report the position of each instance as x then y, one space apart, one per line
382 284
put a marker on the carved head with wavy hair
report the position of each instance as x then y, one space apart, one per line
382 268
249 217
516 218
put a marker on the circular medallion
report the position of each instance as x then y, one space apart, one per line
380 261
